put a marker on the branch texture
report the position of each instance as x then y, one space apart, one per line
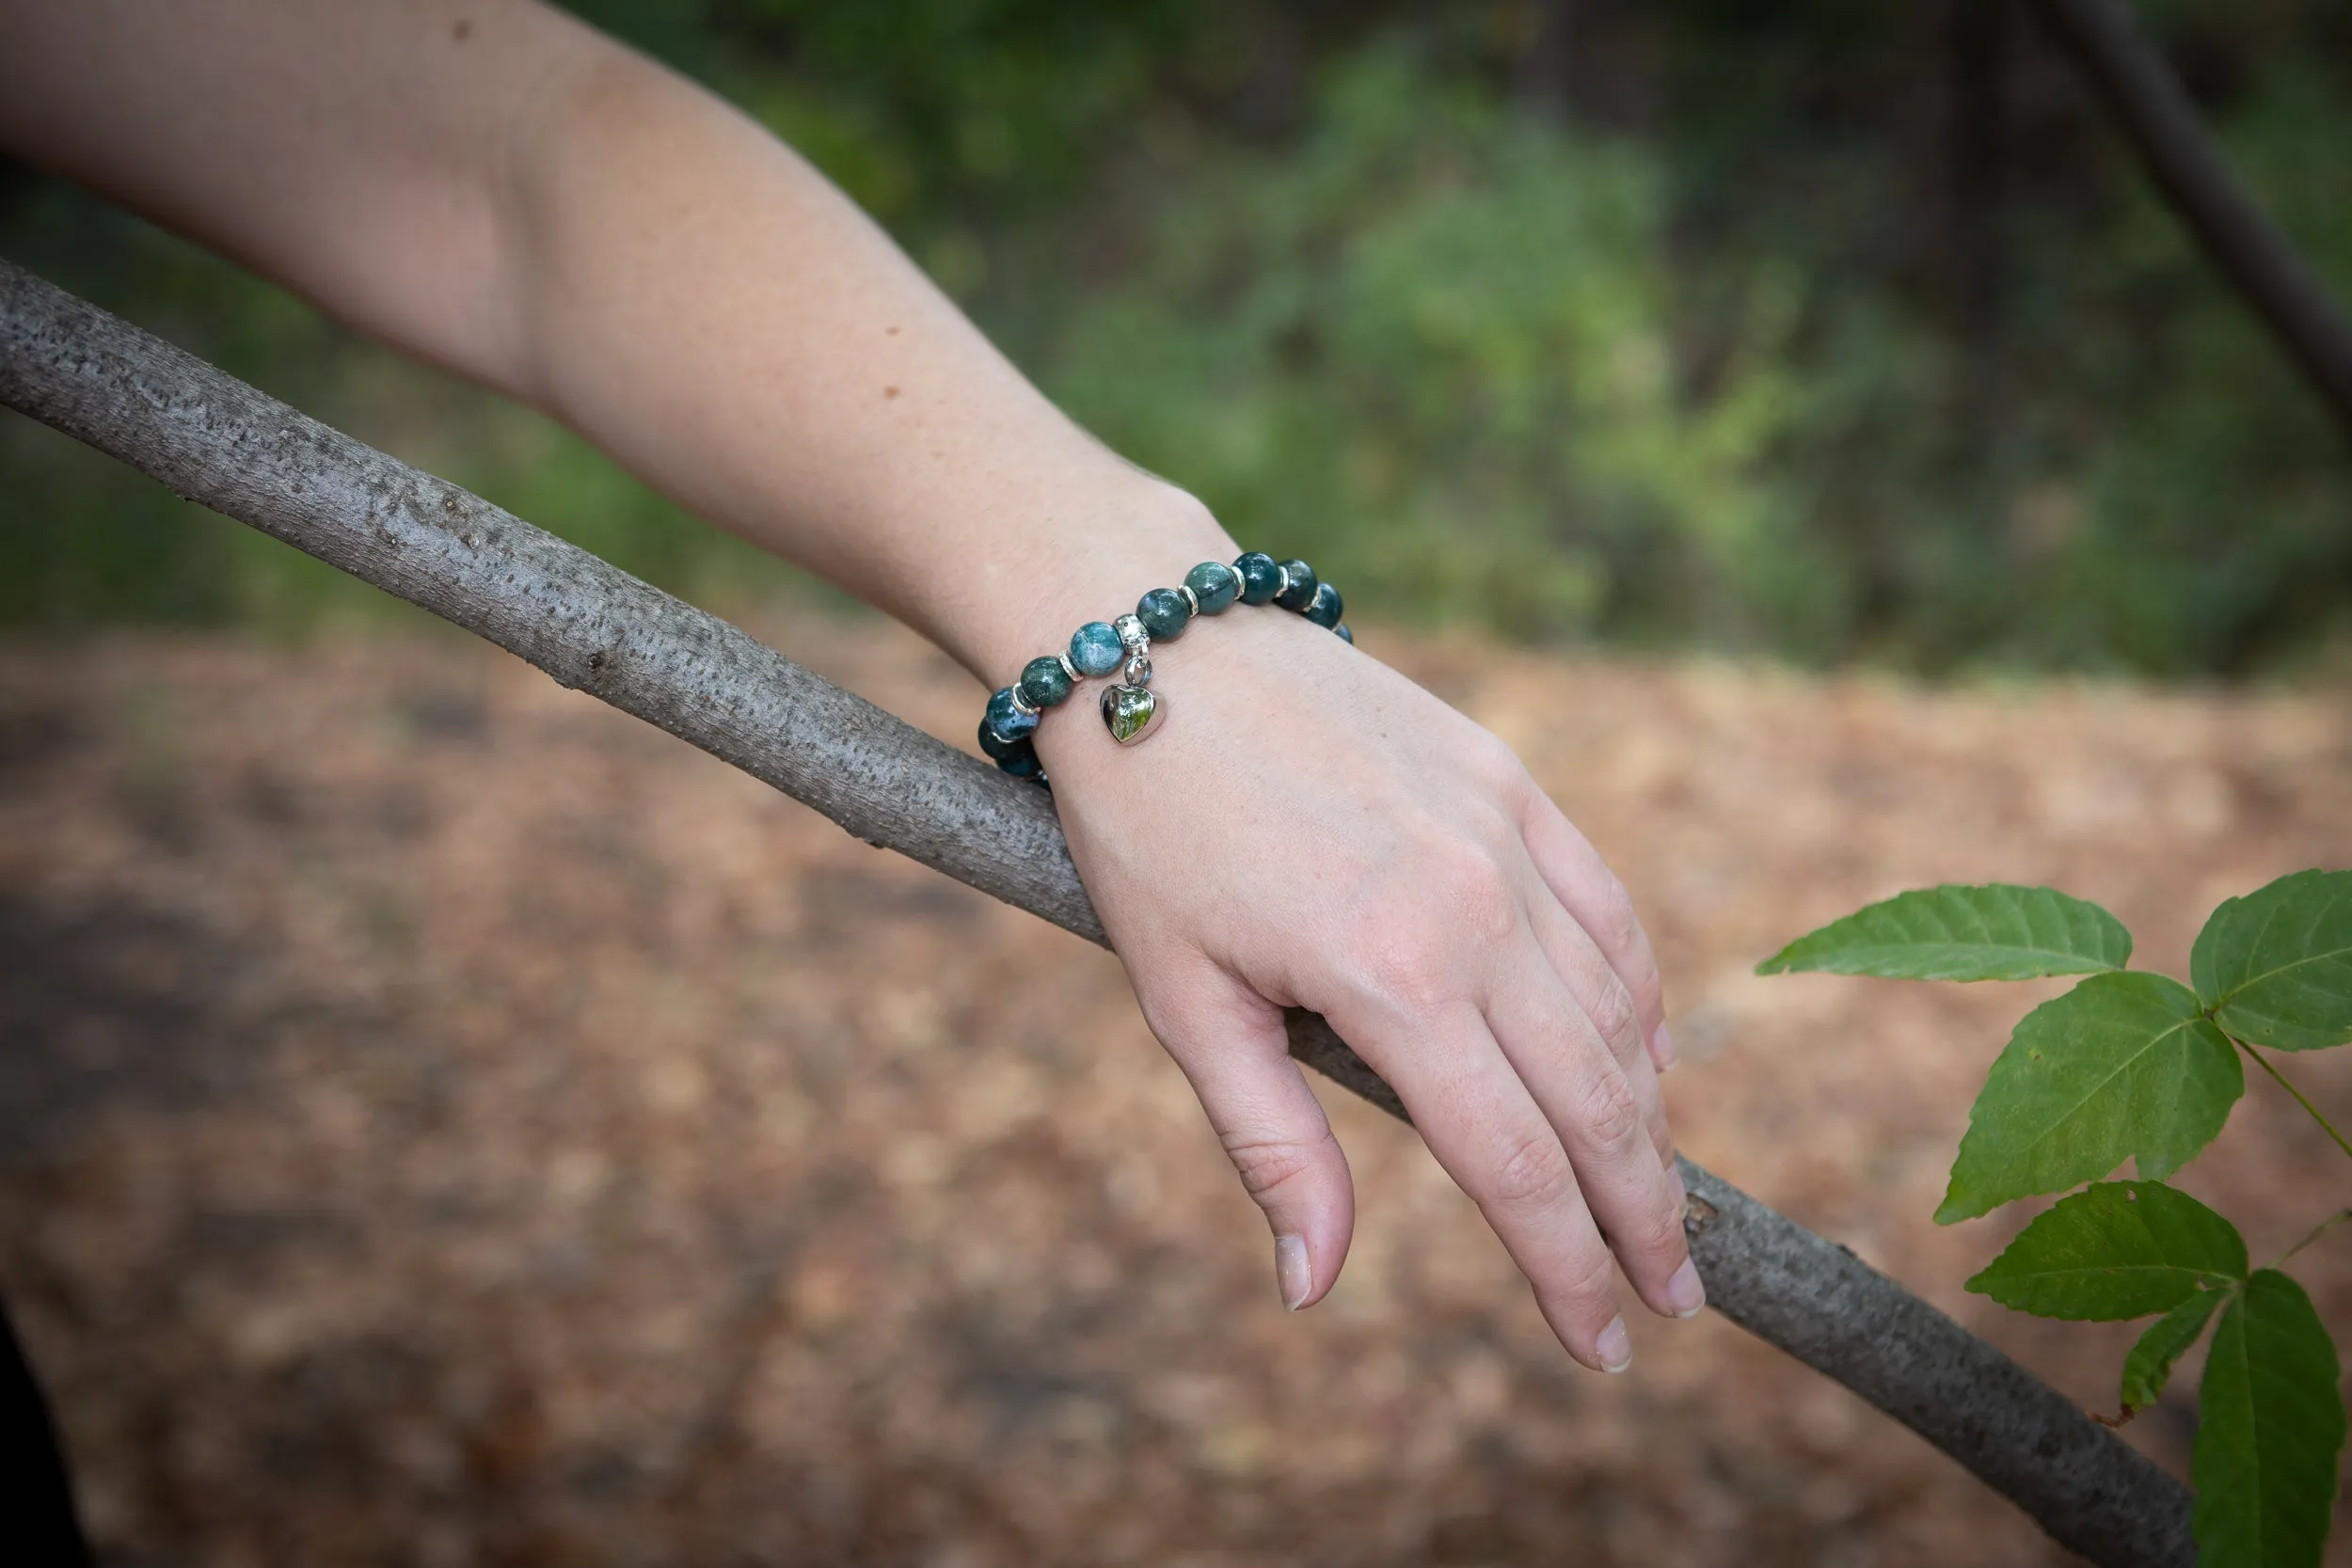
221 443
2156 114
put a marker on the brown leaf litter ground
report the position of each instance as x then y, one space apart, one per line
445 1122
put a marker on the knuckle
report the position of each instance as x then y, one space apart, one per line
1655 1234
1424 936
1532 1173
1477 899
1616 926
1498 767
1587 1288
1606 1113
1615 1016
1268 1163
1405 962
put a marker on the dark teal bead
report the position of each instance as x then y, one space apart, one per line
998 746
1259 577
1006 721
1095 648
1344 635
1300 590
1324 609
1216 585
1023 764
1163 612
1044 682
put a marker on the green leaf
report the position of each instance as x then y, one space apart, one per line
2149 1366
2276 965
2120 1249
2270 1420
2123 1067
1996 932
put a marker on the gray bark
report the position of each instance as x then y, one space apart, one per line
221 443
2147 103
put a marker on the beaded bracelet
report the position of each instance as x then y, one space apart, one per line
1131 710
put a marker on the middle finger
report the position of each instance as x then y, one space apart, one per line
1591 1100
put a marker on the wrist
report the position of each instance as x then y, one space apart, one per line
1048 580
1129 649
1203 683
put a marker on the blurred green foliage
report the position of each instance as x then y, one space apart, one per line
1709 328
1433 345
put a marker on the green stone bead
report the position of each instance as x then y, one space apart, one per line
1008 718
1261 576
1164 614
1216 585
1324 609
1300 590
1095 648
1045 681
1006 723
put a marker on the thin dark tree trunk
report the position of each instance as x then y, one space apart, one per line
1542 75
2163 125
1976 41
219 442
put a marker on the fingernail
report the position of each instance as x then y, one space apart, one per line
1613 1348
1685 1292
1681 1191
1662 1048
1293 1274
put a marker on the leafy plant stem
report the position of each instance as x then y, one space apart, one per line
2318 1231
2264 1062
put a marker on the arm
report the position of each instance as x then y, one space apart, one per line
494 187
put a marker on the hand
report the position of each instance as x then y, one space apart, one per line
1309 828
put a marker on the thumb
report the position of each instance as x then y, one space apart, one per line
1230 1043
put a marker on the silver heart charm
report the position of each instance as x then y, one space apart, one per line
1129 712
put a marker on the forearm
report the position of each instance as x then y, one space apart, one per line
497 189
706 308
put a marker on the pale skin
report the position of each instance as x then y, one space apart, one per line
495 188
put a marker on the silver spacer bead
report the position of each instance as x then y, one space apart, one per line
1138 669
1022 704
1192 600
1069 669
1130 633
1281 579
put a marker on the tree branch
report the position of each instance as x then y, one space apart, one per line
221 443
2157 115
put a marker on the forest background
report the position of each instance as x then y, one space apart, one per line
1830 330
